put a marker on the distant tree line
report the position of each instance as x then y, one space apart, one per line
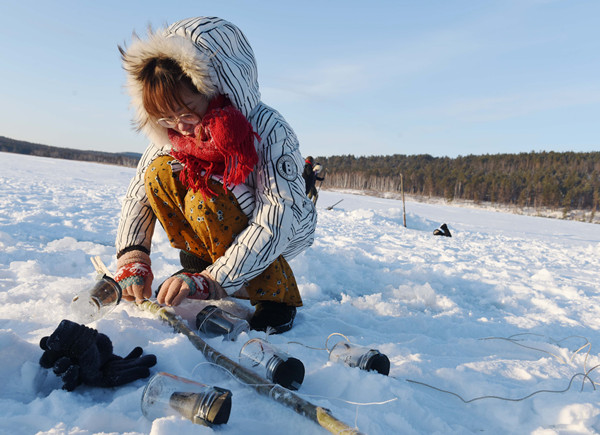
21 147
537 179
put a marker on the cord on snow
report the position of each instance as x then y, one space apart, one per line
585 374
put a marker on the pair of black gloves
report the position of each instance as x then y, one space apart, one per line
82 355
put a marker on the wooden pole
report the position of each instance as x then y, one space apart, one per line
319 415
403 202
331 206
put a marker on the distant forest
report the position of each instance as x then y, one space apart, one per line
565 181
21 147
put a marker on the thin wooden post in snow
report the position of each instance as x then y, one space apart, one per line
403 203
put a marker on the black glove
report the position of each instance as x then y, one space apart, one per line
79 354
119 371
72 352
68 372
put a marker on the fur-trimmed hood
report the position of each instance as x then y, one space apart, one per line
214 53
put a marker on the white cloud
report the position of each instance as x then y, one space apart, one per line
500 107
330 79
387 64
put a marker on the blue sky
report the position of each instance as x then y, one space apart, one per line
440 77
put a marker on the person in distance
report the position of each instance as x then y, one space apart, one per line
311 174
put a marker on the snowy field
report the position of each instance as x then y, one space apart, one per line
507 308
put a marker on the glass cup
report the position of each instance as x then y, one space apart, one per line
167 394
212 321
362 357
272 364
93 303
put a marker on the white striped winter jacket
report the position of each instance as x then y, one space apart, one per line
218 58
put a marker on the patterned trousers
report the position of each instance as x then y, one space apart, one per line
206 228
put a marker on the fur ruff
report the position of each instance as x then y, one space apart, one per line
191 60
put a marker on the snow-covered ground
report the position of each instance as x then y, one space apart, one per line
580 215
507 307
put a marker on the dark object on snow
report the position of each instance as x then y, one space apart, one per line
193 406
212 321
442 231
272 364
273 316
82 355
166 394
362 357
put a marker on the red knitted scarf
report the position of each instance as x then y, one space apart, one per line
224 145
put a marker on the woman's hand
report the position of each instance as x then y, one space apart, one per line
138 292
134 275
194 285
173 291
135 279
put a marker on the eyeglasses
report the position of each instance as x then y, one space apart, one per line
186 118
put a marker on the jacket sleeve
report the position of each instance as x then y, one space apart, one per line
136 225
280 201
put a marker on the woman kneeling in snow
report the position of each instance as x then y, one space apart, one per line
222 175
